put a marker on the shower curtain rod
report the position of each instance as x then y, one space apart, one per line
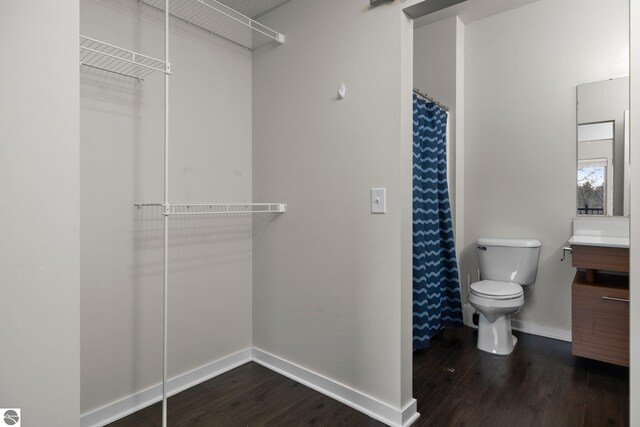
428 98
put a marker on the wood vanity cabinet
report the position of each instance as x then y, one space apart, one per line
600 304
600 258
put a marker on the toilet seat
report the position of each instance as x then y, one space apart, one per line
496 290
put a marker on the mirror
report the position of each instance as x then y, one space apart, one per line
603 148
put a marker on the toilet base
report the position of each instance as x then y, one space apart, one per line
496 337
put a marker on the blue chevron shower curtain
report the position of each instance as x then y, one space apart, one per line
436 287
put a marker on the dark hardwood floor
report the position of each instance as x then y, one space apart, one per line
539 384
250 395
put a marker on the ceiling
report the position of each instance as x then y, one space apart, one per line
471 10
253 8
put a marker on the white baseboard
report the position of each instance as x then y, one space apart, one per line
340 392
130 404
541 330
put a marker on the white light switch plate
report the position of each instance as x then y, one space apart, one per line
378 200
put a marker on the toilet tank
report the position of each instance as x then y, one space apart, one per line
508 260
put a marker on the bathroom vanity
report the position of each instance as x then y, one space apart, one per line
600 296
600 242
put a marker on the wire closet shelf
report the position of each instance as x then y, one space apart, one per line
217 18
186 209
107 57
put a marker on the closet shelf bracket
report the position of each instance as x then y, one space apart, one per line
107 57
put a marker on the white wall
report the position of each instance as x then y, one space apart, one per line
39 215
330 279
434 73
121 163
438 63
460 147
406 219
434 60
635 212
522 69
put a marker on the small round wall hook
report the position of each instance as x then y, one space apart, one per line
342 91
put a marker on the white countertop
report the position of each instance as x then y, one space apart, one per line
607 241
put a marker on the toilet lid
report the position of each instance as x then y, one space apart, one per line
496 290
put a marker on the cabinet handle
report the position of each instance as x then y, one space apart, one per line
615 299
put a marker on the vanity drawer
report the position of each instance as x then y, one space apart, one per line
600 322
600 258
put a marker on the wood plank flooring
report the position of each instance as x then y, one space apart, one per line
539 384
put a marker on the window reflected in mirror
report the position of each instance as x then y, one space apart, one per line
595 168
603 148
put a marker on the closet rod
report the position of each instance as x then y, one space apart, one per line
140 79
228 209
430 99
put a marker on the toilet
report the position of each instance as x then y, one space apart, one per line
505 266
